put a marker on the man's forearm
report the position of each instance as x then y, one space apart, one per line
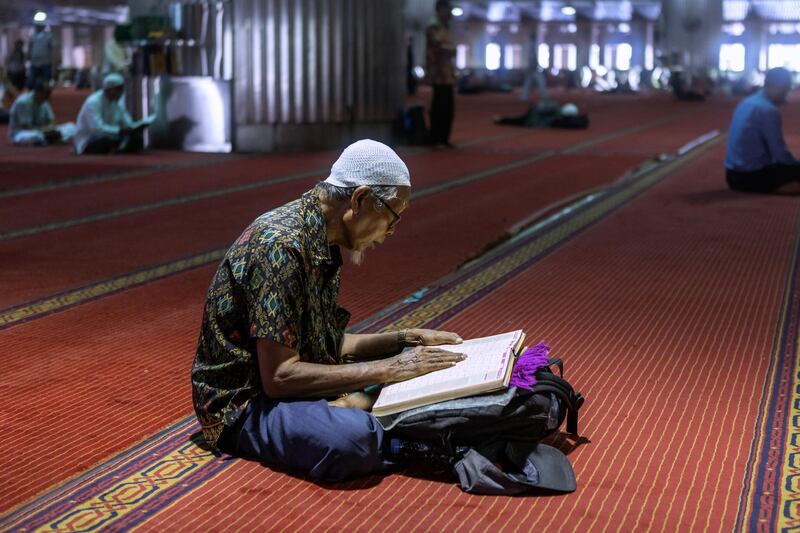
309 380
358 347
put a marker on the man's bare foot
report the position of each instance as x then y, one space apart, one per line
355 400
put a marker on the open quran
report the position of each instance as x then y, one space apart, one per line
487 368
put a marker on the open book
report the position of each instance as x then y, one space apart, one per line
146 121
487 368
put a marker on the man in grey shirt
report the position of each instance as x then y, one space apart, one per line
41 54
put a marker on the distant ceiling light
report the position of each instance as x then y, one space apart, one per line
568 10
572 27
514 28
624 27
457 11
40 16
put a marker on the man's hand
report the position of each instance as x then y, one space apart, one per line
421 360
430 337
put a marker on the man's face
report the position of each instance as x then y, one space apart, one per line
113 93
368 225
41 95
777 93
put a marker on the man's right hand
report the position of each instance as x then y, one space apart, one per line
421 360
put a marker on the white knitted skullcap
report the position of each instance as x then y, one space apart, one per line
369 162
113 80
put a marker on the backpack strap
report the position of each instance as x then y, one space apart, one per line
573 400
559 363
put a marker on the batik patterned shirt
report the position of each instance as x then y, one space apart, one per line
278 281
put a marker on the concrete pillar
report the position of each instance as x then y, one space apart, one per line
754 37
638 41
584 40
692 32
541 39
67 46
600 38
316 73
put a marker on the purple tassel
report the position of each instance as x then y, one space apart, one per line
534 358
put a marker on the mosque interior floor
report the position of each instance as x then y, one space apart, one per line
670 299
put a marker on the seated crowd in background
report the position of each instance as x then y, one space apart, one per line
104 126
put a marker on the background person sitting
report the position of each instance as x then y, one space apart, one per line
32 122
104 125
758 159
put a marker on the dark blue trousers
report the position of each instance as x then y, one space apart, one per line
309 438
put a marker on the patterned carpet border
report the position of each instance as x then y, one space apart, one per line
770 499
153 472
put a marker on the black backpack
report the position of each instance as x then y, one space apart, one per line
501 428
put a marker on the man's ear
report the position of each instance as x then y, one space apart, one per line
359 197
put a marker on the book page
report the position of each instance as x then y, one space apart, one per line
486 363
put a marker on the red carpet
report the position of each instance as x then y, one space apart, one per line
121 362
668 330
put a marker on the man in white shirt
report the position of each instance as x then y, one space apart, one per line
41 55
32 122
104 125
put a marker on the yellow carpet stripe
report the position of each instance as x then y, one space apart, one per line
67 299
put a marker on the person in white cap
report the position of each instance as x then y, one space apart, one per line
104 125
275 377
32 122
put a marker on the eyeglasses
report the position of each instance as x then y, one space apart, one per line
396 218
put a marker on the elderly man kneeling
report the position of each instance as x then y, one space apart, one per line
273 356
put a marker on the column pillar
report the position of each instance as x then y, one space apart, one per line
638 40
67 46
316 73
692 31
753 42
584 40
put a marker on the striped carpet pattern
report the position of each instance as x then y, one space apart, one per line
670 292
669 449
140 483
